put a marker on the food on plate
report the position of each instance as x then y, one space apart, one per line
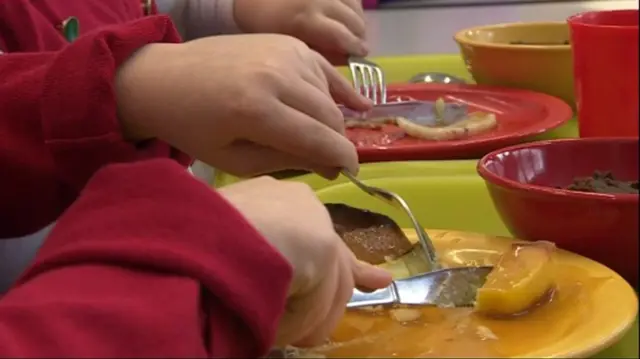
370 123
292 352
522 279
533 43
378 138
474 124
467 332
603 182
412 263
435 121
372 237
405 315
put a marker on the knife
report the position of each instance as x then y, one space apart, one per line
451 287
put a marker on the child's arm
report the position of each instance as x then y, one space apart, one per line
200 18
59 123
147 263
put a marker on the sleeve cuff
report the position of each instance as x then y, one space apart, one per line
78 103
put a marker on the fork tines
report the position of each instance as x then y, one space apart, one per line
368 79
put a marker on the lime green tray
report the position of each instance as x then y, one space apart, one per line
443 195
401 68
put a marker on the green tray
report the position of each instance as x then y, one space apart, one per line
443 195
402 68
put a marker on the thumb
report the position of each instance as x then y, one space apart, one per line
369 276
341 89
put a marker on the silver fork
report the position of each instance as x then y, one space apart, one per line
398 202
368 79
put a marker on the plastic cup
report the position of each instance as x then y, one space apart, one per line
605 62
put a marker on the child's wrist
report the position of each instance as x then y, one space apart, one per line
137 89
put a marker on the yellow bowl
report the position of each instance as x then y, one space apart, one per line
542 62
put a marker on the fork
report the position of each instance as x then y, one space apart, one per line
398 202
368 79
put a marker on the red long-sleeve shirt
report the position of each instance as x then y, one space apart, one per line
147 262
142 267
58 121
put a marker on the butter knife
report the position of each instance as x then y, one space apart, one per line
451 287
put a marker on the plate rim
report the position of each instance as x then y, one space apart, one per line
585 352
558 113
603 344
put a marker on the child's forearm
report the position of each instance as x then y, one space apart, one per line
199 18
147 263
59 122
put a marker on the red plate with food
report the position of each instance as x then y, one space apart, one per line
433 121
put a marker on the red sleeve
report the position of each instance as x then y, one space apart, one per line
141 267
58 121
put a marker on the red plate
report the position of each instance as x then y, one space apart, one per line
520 114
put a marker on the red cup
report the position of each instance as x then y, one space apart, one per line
605 62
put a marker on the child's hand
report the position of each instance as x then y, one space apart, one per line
330 26
296 223
246 104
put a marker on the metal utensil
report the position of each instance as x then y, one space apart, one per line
368 79
452 287
398 202
436 78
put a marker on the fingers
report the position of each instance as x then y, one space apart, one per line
356 6
342 285
306 133
329 173
347 13
246 159
337 37
294 132
341 89
306 315
336 58
369 276
309 97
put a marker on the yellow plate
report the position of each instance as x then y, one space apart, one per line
445 195
593 308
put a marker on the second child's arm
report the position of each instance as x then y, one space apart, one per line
199 18
59 121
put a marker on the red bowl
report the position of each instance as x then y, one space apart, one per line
523 182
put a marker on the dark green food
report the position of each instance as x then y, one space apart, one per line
603 182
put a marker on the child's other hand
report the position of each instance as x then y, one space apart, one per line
333 27
246 104
296 223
